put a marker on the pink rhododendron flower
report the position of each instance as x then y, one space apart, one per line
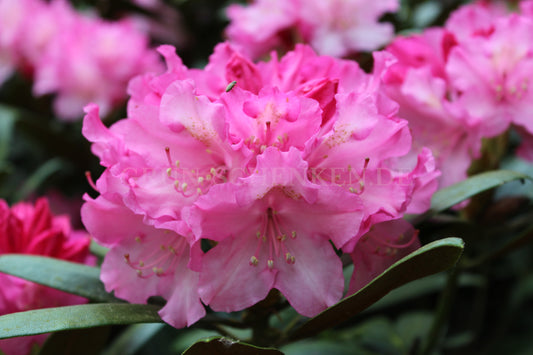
299 152
413 71
72 55
331 27
92 60
385 243
459 84
32 229
491 67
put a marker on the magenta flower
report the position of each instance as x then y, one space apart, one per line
32 229
298 153
333 27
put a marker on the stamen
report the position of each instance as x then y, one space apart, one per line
268 132
161 261
169 158
90 181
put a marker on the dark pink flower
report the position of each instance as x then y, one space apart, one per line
32 229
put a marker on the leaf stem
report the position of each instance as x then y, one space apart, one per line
441 317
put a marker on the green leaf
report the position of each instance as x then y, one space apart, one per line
75 278
7 123
75 317
452 195
429 259
225 346
418 288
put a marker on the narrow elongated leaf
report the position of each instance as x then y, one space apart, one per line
79 279
430 259
225 346
452 195
75 317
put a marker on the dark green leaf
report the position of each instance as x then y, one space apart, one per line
79 279
75 317
430 259
422 287
452 195
225 346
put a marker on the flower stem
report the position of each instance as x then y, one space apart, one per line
443 310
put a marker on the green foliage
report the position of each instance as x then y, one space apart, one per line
75 317
75 278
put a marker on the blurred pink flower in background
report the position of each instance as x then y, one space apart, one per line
32 229
413 73
492 67
296 152
464 82
332 27
77 57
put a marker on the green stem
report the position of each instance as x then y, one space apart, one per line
443 310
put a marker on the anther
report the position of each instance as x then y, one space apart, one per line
253 261
270 264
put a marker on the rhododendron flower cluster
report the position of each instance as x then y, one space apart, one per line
331 27
78 58
272 165
464 82
32 229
